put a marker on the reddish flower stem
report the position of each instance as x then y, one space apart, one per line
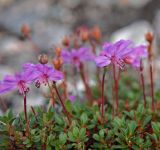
25 114
35 115
142 81
52 100
152 86
150 37
64 108
115 87
87 88
102 100
113 111
65 86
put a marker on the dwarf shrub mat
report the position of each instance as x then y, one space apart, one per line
139 129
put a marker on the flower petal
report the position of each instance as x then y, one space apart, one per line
56 75
102 61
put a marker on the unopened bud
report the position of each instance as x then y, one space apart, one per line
66 41
25 30
149 37
58 51
84 35
57 63
43 58
96 33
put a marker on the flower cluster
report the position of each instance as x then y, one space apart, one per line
121 53
40 73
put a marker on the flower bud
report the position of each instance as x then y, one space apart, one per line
96 33
25 30
57 63
66 41
149 37
84 35
58 51
43 58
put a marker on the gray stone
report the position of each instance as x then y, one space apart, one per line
135 31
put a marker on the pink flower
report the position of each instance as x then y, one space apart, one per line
139 52
72 98
43 73
19 81
121 53
77 56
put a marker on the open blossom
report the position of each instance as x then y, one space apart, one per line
72 98
43 73
77 56
121 53
19 81
139 52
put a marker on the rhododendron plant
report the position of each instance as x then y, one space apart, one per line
100 116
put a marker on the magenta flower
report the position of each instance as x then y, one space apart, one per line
19 81
121 53
77 56
72 98
43 73
139 53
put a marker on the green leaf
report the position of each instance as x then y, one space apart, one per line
120 147
48 147
27 142
71 137
96 137
69 106
101 133
147 120
9 114
132 126
82 133
59 120
36 138
156 128
84 118
62 138
147 144
140 111
50 139
75 132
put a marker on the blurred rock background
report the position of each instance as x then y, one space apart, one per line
51 20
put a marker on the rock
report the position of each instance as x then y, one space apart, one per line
137 3
5 3
48 25
135 31
47 34
120 3
15 52
157 27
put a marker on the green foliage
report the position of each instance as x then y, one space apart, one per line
51 130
